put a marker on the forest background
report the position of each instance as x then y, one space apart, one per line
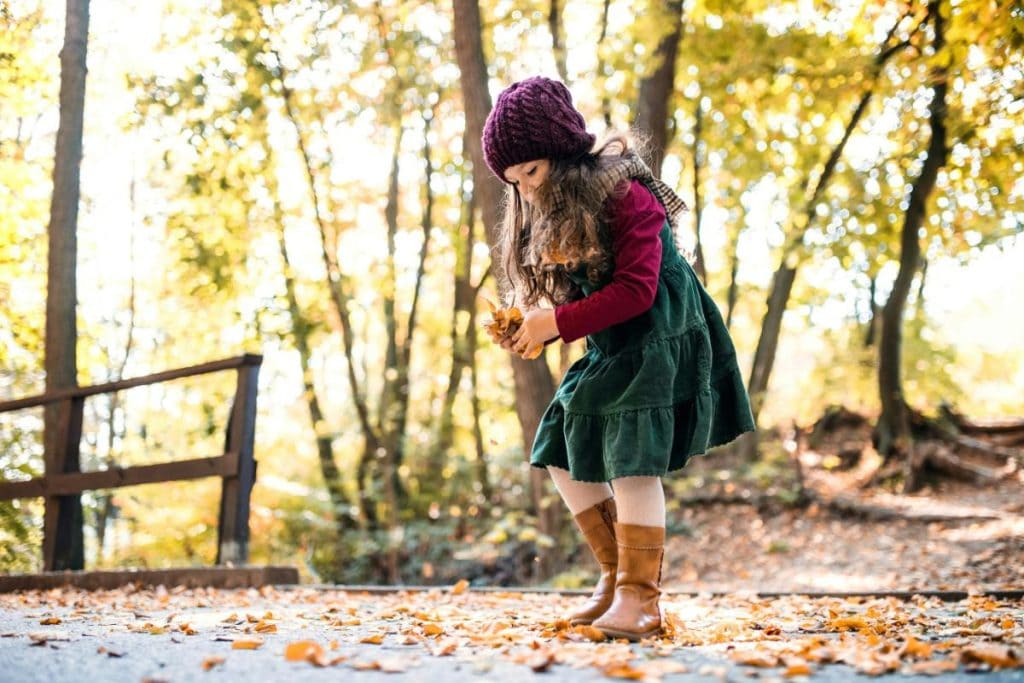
295 179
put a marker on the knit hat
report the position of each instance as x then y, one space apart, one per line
533 119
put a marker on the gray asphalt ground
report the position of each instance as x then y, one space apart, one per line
78 649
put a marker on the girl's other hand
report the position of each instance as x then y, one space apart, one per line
538 327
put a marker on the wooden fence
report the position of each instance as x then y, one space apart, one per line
63 481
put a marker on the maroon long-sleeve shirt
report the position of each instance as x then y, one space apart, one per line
636 221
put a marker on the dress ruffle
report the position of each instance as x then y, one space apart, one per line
589 417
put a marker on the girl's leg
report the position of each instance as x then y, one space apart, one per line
640 500
640 537
593 509
578 495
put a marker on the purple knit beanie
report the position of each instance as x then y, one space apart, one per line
533 119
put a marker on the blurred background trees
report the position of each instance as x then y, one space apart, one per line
303 179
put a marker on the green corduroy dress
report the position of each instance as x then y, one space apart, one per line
651 392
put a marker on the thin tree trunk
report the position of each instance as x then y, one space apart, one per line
482 476
557 39
734 269
768 342
463 311
892 434
301 328
388 411
61 292
405 351
606 102
873 312
533 382
656 90
698 197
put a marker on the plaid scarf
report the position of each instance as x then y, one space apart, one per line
630 166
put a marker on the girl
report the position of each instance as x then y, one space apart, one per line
589 232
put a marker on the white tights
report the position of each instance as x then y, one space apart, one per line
638 500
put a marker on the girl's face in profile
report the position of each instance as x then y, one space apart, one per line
528 177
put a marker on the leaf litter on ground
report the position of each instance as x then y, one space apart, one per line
787 636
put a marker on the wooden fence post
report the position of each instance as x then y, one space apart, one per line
233 526
63 547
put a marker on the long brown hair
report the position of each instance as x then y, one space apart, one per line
540 245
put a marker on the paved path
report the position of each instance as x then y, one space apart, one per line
168 636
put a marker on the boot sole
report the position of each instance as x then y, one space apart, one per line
628 635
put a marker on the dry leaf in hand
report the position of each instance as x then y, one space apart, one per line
504 321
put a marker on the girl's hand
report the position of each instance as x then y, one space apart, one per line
504 341
538 327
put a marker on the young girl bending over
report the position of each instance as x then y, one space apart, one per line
588 250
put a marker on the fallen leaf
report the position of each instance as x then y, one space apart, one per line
460 587
797 670
915 648
542 661
623 670
996 656
302 650
375 639
211 662
42 637
246 644
847 623
590 633
445 648
933 668
265 627
50 621
755 658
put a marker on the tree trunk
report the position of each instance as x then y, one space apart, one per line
533 382
461 332
301 329
734 270
557 39
405 350
698 199
483 478
61 292
873 313
656 90
768 342
606 102
892 434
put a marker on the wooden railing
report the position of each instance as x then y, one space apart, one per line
63 482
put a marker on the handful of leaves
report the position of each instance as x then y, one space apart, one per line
503 324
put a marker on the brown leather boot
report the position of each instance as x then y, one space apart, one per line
634 613
598 526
